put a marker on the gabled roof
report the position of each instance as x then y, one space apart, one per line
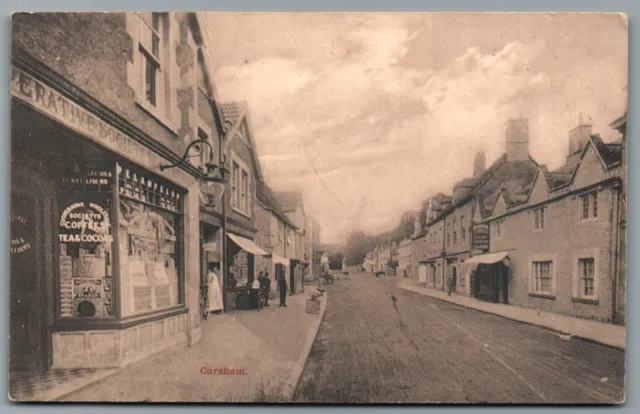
233 115
610 154
270 202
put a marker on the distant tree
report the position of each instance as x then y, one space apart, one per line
335 260
357 246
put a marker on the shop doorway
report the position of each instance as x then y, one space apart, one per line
454 277
491 283
28 346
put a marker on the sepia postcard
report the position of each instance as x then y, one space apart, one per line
318 208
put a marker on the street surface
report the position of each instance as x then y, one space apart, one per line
426 350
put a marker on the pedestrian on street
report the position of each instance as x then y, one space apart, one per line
282 287
265 286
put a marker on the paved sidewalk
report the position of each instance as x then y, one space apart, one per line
271 346
603 333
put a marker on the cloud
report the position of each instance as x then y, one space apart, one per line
339 115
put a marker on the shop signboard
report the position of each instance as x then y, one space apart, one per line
480 237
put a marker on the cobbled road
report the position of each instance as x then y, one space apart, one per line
423 350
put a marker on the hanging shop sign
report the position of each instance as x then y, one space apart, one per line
85 222
480 237
19 238
54 104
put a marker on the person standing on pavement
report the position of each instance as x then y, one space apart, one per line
265 285
282 287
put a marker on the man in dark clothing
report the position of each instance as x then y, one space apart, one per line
265 286
282 287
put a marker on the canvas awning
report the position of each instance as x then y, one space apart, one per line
247 245
279 259
489 258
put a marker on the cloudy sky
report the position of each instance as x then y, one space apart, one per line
369 114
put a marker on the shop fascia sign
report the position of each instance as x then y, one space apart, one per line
52 103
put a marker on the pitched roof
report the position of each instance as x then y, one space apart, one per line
556 179
611 153
290 200
270 202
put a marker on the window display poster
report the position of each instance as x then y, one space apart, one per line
85 244
88 297
148 269
240 267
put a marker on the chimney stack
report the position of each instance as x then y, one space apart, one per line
578 138
479 163
517 139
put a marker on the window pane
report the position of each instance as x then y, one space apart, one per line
585 207
149 258
595 204
150 81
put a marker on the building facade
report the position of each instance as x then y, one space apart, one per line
241 250
105 257
293 207
563 235
273 227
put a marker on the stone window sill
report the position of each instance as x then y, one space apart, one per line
542 295
587 301
155 114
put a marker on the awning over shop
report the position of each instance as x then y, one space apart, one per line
279 259
472 263
247 245
489 258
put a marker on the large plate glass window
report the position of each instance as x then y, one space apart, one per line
149 234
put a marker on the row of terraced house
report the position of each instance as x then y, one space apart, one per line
131 184
519 233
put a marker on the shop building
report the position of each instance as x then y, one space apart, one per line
273 227
105 259
450 224
561 233
241 251
293 207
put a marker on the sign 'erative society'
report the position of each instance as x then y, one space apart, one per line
85 223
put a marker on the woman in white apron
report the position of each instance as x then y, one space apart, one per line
215 293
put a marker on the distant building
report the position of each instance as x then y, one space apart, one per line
450 231
293 207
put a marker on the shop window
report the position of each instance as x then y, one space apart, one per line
85 255
543 277
148 239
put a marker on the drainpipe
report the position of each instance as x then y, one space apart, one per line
615 257
444 251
